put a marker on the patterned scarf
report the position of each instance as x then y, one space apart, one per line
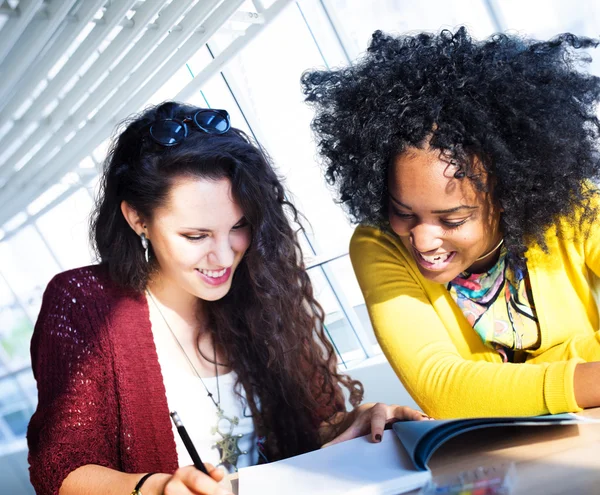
499 306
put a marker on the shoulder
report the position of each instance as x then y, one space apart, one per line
81 295
583 220
87 282
370 244
572 236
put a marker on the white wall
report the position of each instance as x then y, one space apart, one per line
381 383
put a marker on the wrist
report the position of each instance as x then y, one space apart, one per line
585 381
155 485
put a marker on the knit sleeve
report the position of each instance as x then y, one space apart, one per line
75 422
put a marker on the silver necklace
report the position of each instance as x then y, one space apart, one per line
228 447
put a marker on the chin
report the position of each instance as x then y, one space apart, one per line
441 277
213 294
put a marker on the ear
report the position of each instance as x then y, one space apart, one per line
133 218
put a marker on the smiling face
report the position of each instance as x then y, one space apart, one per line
198 237
444 222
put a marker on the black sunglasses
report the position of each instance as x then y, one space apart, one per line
171 132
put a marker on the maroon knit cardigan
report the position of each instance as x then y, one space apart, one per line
101 397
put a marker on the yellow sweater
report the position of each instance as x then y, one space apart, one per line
441 360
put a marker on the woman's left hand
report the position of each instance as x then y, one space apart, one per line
373 418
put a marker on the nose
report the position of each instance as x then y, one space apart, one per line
222 253
426 238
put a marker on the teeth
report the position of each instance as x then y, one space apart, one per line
435 259
213 274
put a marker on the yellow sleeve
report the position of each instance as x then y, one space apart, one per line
585 346
421 351
591 243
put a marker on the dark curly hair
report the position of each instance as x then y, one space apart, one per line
269 325
521 107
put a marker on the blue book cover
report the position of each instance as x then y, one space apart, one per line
422 438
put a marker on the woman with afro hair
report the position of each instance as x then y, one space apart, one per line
471 167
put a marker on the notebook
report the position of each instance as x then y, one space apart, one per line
397 464
355 467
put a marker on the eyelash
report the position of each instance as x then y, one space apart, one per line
454 225
240 225
195 238
451 225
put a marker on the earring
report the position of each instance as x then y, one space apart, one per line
145 245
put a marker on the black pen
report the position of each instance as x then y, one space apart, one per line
188 443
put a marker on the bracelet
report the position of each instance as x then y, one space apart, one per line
136 490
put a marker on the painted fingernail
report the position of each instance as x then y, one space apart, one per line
378 437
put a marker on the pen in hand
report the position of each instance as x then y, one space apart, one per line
188 443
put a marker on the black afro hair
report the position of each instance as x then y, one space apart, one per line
524 108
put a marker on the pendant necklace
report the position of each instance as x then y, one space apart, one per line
228 447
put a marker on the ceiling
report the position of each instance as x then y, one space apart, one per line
70 70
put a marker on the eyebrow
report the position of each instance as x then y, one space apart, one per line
201 229
449 210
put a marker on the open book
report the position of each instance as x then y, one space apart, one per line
359 467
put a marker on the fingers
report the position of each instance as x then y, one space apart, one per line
405 413
379 418
375 418
351 432
215 473
383 415
359 427
191 481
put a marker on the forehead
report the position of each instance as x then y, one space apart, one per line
199 202
422 179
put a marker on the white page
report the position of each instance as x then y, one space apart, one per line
356 467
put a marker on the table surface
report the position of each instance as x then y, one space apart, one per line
550 460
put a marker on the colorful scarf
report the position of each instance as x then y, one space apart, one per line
499 306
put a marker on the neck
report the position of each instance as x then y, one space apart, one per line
180 303
491 251
487 260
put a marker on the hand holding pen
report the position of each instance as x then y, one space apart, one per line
200 479
188 443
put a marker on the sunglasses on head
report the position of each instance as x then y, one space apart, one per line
171 132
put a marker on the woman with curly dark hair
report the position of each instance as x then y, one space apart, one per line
200 304
471 167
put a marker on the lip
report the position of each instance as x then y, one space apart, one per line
215 281
433 267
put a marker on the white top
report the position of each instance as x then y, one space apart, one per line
187 396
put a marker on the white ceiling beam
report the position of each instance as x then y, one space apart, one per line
112 17
55 202
19 61
142 85
48 126
14 27
34 112
258 5
43 64
248 17
142 49
231 51
100 128
7 10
